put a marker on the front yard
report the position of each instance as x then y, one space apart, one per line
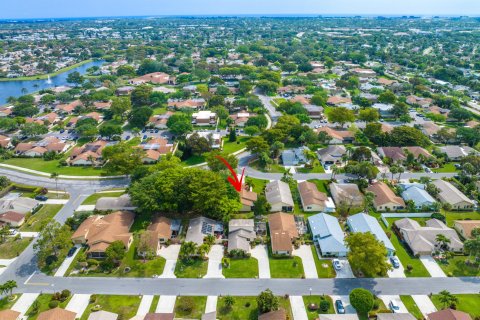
190 307
242 268
313 314
411 306
43 302
125 306
231 147
6 303
418 269
466 302
316 169
92 199
13 246
456 267
39 164
193 268
244 308
324 266
35 222
286 267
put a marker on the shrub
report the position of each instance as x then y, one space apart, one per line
187 304
324 305
362 300
93 298
65 294
53 304
92 262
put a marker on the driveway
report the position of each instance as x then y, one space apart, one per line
346 304
298 308
305 253
215 262
170 254
387 299
24 302
145 304
86 207
78 304
260 252
66 263
432 266
5 263
397 272
166 304
424 303
346 270
211 305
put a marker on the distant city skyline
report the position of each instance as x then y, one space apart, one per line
27 9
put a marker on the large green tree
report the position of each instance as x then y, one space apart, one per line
367 254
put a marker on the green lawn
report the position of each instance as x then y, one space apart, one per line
274 168
456 267
324 266
138 268
193 160
411 306
407 259
458 215
12 247
258 184
39 164
36 222
231 147
190 307
94 197
469 303
242 268
322 185
286 267
195 268
125 306
43 301
447 168
315 169
160 110
154 304
312 315
245 308
45 76
6 303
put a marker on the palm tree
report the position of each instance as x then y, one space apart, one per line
335 170
445 298
9 286
472 247
203 250
229 302
393 171
443 241
368 200
400 171
55 176
188 249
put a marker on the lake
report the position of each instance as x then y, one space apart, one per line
14 88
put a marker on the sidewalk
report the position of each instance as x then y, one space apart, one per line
211 305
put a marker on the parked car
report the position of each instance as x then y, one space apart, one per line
127 138
336 264
394 306
12 232
339 307
41 198
62 130
71 251
145 137
395 262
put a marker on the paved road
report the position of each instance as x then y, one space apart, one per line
267 103
249 287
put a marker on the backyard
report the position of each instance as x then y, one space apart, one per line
241 268
286 267
125 306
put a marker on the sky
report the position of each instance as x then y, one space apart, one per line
18 9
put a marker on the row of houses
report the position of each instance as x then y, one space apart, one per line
14 208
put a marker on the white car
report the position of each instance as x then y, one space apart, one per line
336 264
13 232
394 306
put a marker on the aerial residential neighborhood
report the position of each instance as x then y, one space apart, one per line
272 165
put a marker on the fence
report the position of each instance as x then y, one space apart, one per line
384 216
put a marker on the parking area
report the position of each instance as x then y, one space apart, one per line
346 304
387 300
170 254
397 272
309 268
345 270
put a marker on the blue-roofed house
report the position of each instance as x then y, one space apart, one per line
417 193
362 222
328 234
294 157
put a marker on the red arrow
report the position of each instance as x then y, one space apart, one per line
237 184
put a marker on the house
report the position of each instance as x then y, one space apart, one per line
362 222
346 193
328 234
159 121
456 153
103 315
9 315
159 232
385 199
448 314
124 91
314 112
395 316
247 199
283 231
204 118
215 139
337 100
57 314
95 116
12 218
240 119
154 78
294 157
5 142
87 155
279 196
417 193
240 233
337 136
186 104
155 148
279 314
114 203
430 129
422 240
464 227
394 153
98 232
449 194
18 204
364 73
69 107
201 227
312 199
385 110
332 155
101 105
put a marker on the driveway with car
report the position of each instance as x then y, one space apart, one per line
396 302
398 272
68 261
346 304
345 270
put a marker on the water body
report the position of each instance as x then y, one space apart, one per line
14 88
